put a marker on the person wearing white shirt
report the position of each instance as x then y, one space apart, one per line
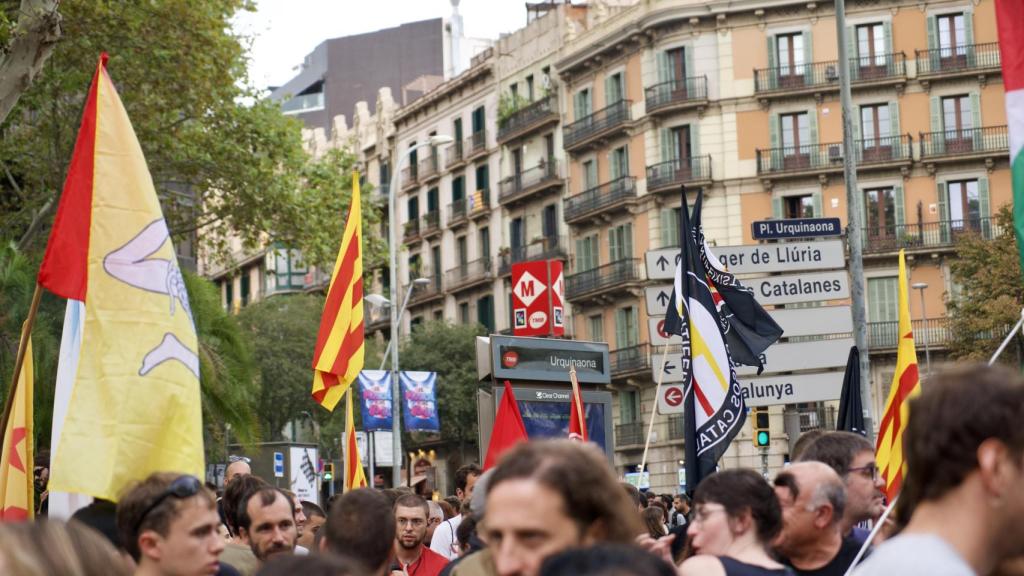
444 541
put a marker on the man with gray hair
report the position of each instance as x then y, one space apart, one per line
433 520
813 499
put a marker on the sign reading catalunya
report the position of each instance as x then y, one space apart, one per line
549 360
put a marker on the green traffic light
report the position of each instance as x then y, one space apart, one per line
762 438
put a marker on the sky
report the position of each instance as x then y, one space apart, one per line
283 32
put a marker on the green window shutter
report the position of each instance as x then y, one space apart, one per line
608 92
665 69
775 154
852 46
969 32
577 105
772 73
613 166
580 257
887 33
858 125
976 119
808 59
938 138
898 200
669 227
812 125
687 63
894 118
695 139
933 41
620 332
613 245
984 207
943 212
816 203
627 240
777 208
667 148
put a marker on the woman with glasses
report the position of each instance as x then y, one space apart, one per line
735 517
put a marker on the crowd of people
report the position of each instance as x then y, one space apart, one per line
556 508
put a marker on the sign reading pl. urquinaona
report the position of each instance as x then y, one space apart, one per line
757 258
795 228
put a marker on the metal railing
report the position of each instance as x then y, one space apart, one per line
458 211
826 74
527 180
629 434
303 103
817 418
663 94
963 58
829 156
468 273
528 116
410 176
476 142
431 221
596 199
887 334
549 247
427 292
453 155
927 234
604 119
614 274
429 166
679 171
411 229
629 360
878 67
961 142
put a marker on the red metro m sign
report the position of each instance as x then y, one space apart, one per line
537 289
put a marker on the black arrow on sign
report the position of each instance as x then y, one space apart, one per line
669 368
663 298
662 262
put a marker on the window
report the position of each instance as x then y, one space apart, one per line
415 266
871 45
670 227
415 323
586 253
458 189
956 115
483 177
796 140
485 312
413 160
485 242
875 124
461 250
517 162
457 130
229 294
629 407
681 144
432 195
880 211
514 91
964 204
882 299
435 260
626 335
244 285
529 87
589 174
414 207
619 163
549 221
798 206
581 104
438 314
463 312
615 89
620 242
517 239
790 51
595 327
677 66
478 119
952 36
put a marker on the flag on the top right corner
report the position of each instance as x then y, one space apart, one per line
1010 21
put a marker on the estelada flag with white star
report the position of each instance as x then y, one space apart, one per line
16 494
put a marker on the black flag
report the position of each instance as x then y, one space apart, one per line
851 411
749 329
712 398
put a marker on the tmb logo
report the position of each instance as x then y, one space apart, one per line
509 359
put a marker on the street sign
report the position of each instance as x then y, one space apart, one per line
813 321
786 357
795 228
757 258
773 390
671 400
657 335
657 298
674 395
545 359
278 464
793 288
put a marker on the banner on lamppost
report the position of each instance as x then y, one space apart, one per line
375 399
419 401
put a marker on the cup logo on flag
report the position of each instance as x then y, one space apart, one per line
375 403
419 404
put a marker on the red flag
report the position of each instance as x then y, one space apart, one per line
508 428
577 416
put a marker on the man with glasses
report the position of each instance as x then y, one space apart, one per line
413 558
853 458
168 523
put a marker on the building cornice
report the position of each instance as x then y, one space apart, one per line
452 88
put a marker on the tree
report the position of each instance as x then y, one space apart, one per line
991 293
25 45
449 350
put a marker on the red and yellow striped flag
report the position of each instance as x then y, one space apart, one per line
339 345
905 385
17 498
354 475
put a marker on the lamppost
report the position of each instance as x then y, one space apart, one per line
403 157
924 323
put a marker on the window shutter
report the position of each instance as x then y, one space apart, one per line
933 42
984 207
695 139
943 212
667 147
976 119
816 204
609 96
613 166
812 125
772 73
887 33
858 127
613 245
627 240
894 118
775 154
665 70
777 208
808 59
897 193
621 337
666 218
581 259
687 64
969 34
851 48
938 138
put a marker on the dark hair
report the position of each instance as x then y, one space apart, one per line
455 503
100 515
267 495
958 410
463 473
237 491
466 530
606 560
311 509
654 521
633 492
413 501
134 515
740 490
49 546
803 441
580 474
837 450
312 565
361 525
446 508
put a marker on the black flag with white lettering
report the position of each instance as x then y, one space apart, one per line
749 329
712 400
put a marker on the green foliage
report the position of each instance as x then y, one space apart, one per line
449 350
509 104
991 293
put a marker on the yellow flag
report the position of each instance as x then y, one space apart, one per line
354 475
16 491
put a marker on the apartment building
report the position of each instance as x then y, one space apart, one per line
743 102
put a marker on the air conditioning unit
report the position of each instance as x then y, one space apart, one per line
831 74
835 154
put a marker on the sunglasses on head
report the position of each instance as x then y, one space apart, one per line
183 487
233 458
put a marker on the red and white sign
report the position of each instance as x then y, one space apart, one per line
537 302
671 401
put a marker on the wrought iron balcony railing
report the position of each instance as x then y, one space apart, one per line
431 222
630 360
927 234
829 156
548 248
476 143
429 167
469 273
528 117
457 212
410 177
676 93
671 174
825 75
605 196
600 122
965 58
883 335
528 181
988 139
453 155
411 229
609 276
629 434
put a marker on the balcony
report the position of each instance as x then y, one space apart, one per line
985 143
453 156
631 434
478 205
926 236
631 361
425 294
470 274
410 177
613 195
819 417
958 61
541 178
546 248
816 159
411 231
528 119
609 278
669 176
676 427
599 125
379 319
429 168
430 224
303 103
886 335
676 95
822 77
458 213
476 145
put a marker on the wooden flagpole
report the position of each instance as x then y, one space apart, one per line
576 398
19 361
654 409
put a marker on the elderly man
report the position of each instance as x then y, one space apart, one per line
813 500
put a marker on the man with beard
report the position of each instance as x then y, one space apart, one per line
267 520
413 558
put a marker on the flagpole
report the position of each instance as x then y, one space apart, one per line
654 408
1006 341
576 398
19 361
874 531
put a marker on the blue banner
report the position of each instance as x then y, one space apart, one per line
551 420
375 399
419 405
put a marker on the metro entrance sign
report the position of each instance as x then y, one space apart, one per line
757 258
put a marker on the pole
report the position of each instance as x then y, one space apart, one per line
369 442
1006 341
927 350
396 438
854 231
654 409
26 330
383 362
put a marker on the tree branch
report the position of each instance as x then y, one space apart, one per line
33 39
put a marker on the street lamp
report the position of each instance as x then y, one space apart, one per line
403 157
924 316
379 301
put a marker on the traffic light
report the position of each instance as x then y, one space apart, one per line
328 471
760 426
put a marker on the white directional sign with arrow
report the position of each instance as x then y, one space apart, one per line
657 298
757 258
787 357
772 390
